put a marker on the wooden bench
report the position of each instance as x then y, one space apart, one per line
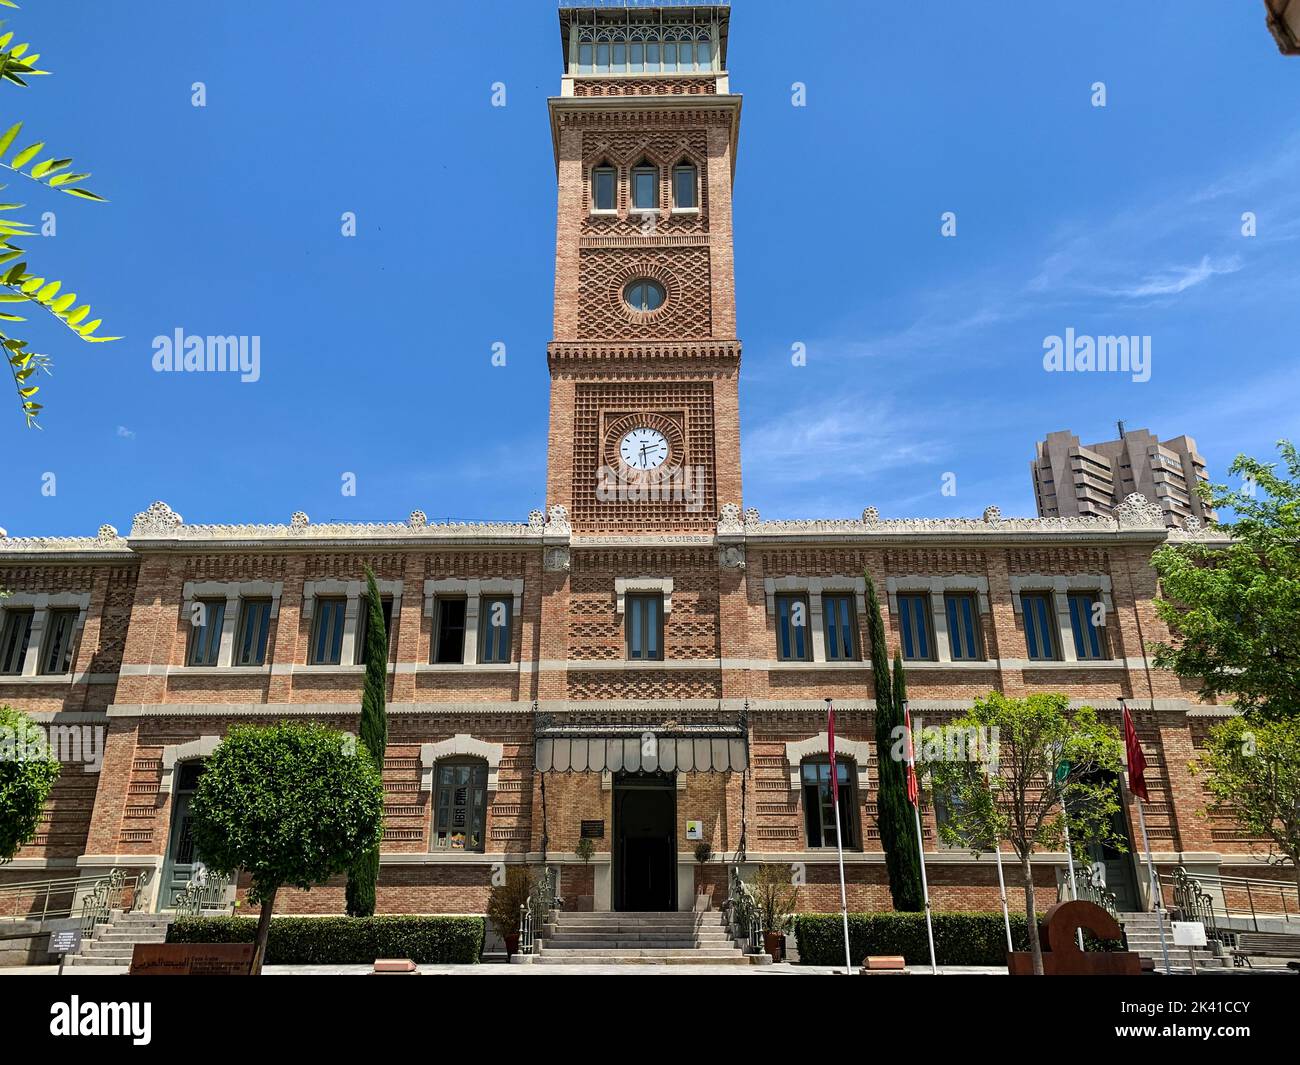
1265 945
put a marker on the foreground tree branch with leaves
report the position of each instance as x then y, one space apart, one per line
1047 757
27 775
18 284
289 804
1254 769
1234 609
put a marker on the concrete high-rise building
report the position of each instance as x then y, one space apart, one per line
1073 480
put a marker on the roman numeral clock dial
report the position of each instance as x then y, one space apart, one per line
643 449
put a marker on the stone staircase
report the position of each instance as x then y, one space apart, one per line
113 942
1143 933
639 939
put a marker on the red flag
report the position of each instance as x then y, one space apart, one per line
1137 761
913 792
830 740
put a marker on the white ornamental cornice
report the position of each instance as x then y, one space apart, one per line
160 526
107 544
1135 518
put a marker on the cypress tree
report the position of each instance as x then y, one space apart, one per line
374 735
893 813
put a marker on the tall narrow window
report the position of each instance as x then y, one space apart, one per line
460 806
684 188
636 52
602 57
818 808
603 186
14 636
1040 626
251 636
205 637
645 188
1086 612
670 57
792 619
619 65
645 627
703 55
327 636
494 630
585 57
917 627
839 619
964 628
652 57
363 625
57 657
449 630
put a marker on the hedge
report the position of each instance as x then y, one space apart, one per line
344 940
959 938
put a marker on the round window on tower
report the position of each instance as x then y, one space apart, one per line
643 294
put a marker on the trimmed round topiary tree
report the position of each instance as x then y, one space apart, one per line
292 805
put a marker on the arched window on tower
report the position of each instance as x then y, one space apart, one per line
645 186
686 195
604 188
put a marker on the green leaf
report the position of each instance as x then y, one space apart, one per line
27 155
8 137
86 194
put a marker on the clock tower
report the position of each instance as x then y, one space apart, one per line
644 424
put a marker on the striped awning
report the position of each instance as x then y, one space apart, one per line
632 754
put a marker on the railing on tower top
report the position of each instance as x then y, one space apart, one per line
641 3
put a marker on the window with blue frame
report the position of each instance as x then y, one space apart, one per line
327 637
964 637
917 626
604 181
494 629
645 627
839 623
645 187
251 636
205 637
793 643
1086 611
1040 626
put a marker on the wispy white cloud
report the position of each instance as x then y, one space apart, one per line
1179 279
125 433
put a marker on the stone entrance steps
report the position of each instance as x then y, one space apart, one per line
1142 930
638 939
115 941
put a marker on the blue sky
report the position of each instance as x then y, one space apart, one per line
924 352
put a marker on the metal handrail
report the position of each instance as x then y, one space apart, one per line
541 901
114 887
207 891
744 919
1086 890
1191 896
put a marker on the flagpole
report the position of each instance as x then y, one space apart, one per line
1157 897
920 842
1002 891
839 836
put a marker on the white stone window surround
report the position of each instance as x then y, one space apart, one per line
938 587
203 747
42 605
1058 588
856 751
814 588
354 592
473 592
642 586
232 592
461 745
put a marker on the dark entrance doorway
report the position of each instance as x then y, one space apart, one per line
182 860
645 846
1116 869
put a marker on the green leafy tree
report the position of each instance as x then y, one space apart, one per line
27 775
18 284
291 804
364 875
1234 609
1253 768
1020 797
893 812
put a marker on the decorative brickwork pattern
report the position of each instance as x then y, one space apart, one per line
604 313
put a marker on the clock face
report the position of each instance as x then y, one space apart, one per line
643 449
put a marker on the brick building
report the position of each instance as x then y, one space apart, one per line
627 664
